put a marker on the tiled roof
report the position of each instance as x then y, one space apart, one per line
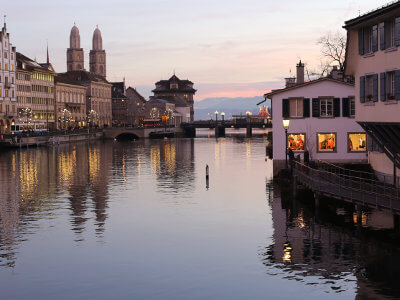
83 76
29 64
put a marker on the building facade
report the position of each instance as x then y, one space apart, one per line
120 116
179 92
373 58
136 107
98 96
321 115
8 97
35 94
70 108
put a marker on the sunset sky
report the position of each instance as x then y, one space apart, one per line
227 48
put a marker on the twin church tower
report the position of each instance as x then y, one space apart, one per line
97 57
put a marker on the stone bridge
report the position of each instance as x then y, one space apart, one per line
130 133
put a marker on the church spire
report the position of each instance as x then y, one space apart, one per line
48 60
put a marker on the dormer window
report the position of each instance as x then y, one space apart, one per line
174 86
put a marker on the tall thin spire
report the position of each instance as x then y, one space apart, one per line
5 21
48 60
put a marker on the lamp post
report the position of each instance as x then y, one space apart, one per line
286 123
223 117
216 116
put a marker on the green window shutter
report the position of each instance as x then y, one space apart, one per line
374 38
397 84
336 107
306 108
345 107
362 89
397 31
375 87
382 35
315 108
361 41
285 108
383 86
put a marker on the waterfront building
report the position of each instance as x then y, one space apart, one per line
372 57
70 107
98 96
178 92
97 57
8 97
120 114
35 94
164 112
136 107
321 114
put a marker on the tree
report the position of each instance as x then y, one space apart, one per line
333 49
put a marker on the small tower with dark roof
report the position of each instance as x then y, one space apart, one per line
75 52
97 59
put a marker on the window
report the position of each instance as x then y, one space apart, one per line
390 86
6 67
357 142
369 88
389 34
174 86
5 54
352 103
296 141
296 107
368 40
326 107
326 142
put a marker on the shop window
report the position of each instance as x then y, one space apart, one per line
326 107
326 142
296 108
357 142
296 141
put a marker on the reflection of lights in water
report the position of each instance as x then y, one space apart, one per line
287 253
170 157
124 167
94 163
300 220
155 158
248 148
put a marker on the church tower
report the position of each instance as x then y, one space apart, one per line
97 59
75 52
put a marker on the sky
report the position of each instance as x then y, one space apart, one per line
227 48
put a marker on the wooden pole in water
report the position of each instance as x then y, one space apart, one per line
207 177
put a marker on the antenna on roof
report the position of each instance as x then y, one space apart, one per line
48 60
4 20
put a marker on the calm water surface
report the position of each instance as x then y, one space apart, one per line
111 220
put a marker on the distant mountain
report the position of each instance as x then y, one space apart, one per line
230 106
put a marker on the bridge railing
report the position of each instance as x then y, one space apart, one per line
348 186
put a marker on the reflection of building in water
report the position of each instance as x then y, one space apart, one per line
31 183
329 246
172 162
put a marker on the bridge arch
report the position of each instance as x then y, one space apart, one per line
126 136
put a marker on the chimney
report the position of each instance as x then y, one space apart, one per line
300 73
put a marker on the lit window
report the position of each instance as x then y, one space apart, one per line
326 106
296 108
357 142
326 142
296 141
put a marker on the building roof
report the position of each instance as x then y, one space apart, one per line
133 90
388 8
185 86
25 63
274 92
116 93
66 80
83 76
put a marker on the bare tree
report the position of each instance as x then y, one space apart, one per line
333 49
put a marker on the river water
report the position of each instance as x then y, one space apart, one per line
137 220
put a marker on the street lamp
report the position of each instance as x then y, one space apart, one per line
223 116
286 123
216 115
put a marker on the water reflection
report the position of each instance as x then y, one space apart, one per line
329 247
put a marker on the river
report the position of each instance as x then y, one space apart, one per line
137 220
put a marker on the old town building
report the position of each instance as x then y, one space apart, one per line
373 58
97 58
120 116
136 107
178 92
8 97
35 94
70 106
98 96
